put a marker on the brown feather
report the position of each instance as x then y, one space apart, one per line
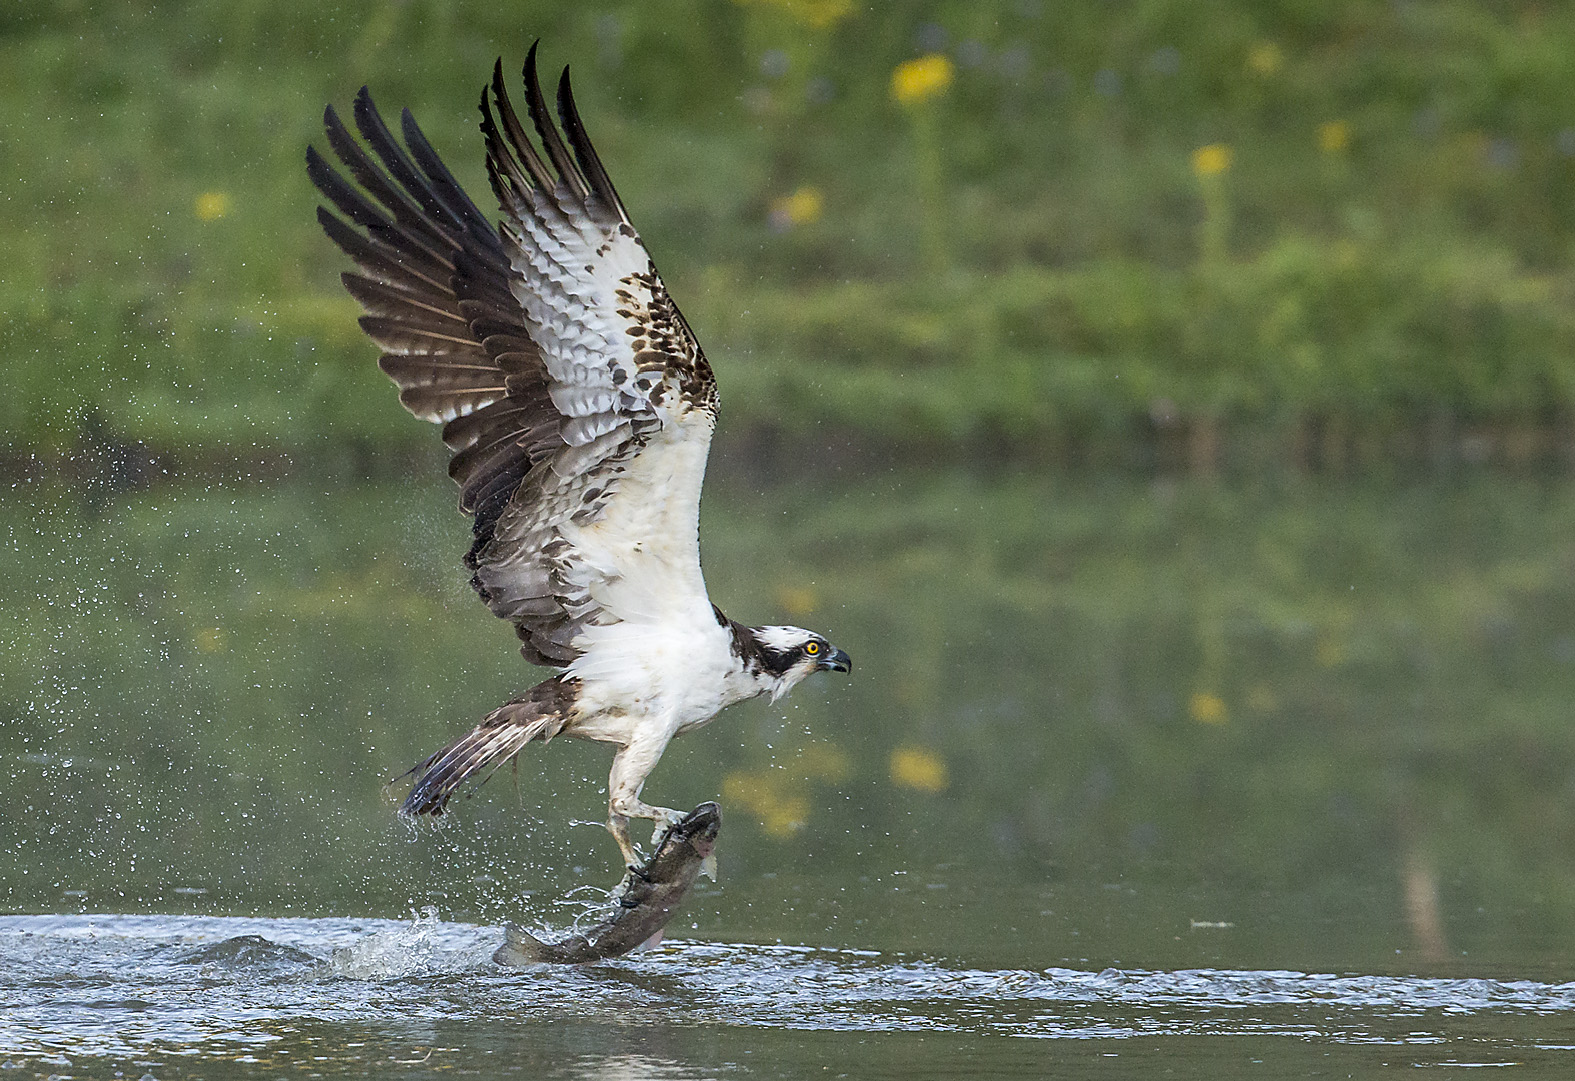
547 132
455 371
407 269
538 714
391 300
446 294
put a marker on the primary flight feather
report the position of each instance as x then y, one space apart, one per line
579 408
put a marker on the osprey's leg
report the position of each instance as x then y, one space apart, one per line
631 765
618 826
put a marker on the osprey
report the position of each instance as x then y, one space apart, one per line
579 409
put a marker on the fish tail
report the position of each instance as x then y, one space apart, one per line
497 739
519 947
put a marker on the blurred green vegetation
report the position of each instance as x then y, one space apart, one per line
1026 252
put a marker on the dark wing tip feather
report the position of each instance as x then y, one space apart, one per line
585 153
442 182
350 202
430 207
513 138
551 140
314 161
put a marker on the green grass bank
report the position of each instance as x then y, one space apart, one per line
1123 230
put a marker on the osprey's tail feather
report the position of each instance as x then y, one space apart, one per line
539 713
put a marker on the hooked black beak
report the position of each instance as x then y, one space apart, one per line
837 662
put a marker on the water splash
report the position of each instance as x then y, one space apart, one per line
127 989
426 946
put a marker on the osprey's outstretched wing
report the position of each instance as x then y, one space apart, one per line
575 398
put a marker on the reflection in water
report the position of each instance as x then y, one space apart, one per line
629 1068
1421 908
1102 723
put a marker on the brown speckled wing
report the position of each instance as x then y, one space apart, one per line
574 394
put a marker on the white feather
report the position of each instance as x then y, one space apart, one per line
782 639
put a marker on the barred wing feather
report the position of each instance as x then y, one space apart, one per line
575 398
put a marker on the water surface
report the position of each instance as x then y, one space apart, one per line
234 997
1225 778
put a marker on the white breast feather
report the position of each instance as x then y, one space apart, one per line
666 655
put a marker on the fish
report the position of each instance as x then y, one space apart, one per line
644 901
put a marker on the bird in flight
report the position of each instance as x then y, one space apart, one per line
579 408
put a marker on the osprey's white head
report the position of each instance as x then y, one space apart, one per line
779 657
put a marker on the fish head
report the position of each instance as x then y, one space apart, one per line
698 829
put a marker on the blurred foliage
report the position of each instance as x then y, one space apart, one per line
1382 236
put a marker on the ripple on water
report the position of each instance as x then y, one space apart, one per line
123 984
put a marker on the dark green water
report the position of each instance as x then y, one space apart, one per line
1267 779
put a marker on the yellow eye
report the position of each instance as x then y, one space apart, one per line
812 649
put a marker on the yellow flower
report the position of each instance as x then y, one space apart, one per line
1334 136
917 81
1211 160
211 205
800 208
1265 58
1208 708
918 768
210 640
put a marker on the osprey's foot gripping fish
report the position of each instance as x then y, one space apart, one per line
646 900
